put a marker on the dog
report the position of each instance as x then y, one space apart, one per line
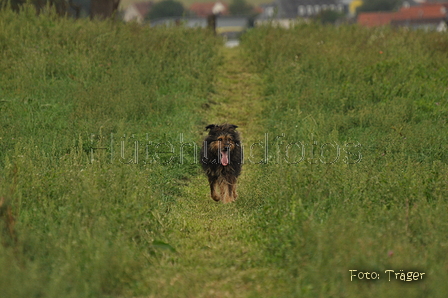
221 158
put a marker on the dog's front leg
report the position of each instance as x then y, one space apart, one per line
215 191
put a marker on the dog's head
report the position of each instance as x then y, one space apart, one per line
222 139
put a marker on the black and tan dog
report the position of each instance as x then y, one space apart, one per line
221 158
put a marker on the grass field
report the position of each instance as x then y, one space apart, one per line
364 187
101 195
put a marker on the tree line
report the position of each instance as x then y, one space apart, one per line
99 9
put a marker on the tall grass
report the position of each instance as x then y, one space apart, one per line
72 95
94 117
363 116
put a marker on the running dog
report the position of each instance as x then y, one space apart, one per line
221 158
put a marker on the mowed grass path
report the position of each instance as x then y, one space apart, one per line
215 256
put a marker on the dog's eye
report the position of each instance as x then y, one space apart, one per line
219 139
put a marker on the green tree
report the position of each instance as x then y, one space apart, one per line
240 7
379 5
165 9
329 16
75 8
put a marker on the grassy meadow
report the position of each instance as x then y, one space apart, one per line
358 120
88 220
101 195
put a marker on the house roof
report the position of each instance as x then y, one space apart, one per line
206 9
425 11
373 19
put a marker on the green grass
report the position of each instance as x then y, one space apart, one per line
380 96
88 228
356 176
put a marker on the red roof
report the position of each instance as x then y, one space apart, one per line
426 11
373 19
205 9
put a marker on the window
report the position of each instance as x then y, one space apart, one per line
269 11
309 9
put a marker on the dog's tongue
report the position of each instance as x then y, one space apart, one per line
224 158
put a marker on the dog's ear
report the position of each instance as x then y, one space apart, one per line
210 126
232 126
